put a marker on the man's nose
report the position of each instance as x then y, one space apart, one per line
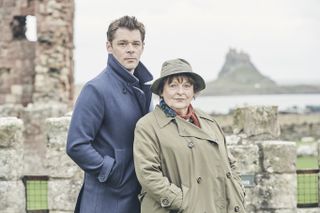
130 47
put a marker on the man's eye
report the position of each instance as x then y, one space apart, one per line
122 44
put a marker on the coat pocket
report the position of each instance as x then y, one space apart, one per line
117 172
185 199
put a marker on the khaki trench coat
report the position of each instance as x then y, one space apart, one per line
183 168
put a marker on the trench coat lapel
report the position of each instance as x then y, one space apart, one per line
187 129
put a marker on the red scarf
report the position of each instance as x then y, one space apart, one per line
191 116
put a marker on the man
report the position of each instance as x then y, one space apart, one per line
100 137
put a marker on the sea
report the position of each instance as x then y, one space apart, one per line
286 102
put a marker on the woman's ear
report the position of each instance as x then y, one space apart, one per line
195 95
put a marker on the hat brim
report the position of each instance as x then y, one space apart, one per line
197 78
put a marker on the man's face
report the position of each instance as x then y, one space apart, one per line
126 47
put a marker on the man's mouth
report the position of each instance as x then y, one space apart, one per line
130 59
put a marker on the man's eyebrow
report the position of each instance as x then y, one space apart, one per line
131 41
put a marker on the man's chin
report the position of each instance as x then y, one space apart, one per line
131 67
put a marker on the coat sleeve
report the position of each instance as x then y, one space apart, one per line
86 120
149 172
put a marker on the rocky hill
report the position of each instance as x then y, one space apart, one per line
240 76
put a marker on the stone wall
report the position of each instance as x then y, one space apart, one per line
260 154
34 118
53 79
17 54
36 77
293 126
65 177
12 193
40 71
269 161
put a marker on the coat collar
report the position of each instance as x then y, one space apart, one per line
187 129
141 73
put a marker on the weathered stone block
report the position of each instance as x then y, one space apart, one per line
57 129
308 210
11 99
278 156
233 139
247 157
10 110
35 116
257 120
11 132
58 163
11 165
12 197
273 191
17 90
63 194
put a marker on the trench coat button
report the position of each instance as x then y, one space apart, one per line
190 145
236 209
124 90
199 179
164 202
228 174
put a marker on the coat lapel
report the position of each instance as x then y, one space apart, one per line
187 129
141 97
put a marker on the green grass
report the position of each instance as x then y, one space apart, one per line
307 162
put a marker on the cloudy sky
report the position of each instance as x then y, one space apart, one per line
282 37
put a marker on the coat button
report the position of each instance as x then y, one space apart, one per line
124 90
199 179
228 174
236 209
190 145
164 202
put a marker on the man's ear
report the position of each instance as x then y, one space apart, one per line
109 47
142 45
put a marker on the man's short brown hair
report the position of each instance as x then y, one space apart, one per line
129 22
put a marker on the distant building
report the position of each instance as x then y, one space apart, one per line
42 70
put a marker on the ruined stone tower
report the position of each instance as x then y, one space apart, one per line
41 70
36 75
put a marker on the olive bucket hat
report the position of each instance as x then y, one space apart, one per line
177 66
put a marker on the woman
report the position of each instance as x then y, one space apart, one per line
180 154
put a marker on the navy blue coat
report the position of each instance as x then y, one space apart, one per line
100 138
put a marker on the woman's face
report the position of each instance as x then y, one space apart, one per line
178 94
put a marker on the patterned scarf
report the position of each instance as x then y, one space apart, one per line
190 116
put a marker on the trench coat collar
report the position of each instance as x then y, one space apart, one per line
141 74
187 129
